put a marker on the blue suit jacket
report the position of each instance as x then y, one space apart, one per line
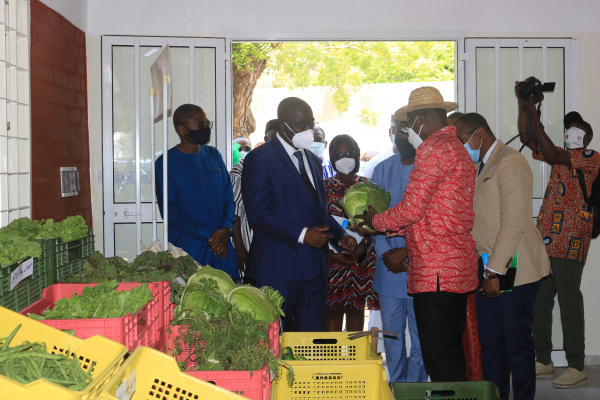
279 206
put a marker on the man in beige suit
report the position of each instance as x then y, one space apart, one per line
504 226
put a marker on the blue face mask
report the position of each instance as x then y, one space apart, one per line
200 136
473 153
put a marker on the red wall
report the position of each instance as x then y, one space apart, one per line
59 125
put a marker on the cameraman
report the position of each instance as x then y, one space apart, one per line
566 228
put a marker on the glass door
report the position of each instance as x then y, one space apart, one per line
198 77
493 66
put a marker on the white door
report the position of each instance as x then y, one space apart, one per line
198 76
493 65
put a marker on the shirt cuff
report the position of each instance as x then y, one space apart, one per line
489 269
301 237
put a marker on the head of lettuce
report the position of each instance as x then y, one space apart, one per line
358 197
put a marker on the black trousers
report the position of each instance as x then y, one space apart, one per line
441 320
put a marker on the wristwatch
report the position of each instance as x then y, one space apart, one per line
489 275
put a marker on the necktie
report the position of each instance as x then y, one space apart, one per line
304 175
481 164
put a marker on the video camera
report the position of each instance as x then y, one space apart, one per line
532 85
525 89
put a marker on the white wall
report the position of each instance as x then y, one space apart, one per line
353 19
74 11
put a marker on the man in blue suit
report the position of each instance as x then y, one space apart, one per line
283 191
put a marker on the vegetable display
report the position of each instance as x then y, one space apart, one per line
223 326
17 238
100 301
147 267
29 362
358 197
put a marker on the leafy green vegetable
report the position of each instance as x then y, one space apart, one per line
29 362
17 238
358 197
253 300
70 228
275 297
147 267
12 251
222 278
228 342
100 301
202 296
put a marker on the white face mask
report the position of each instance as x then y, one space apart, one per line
574 138
345 165
413 137
302 140
318 148
243 154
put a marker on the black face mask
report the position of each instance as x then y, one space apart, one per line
200 136
404 147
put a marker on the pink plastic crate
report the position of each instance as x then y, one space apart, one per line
255 385
142 329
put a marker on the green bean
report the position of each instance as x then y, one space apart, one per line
28 362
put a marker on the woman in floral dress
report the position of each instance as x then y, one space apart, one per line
350 277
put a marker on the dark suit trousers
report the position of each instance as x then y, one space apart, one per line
441 320
304 305
505 332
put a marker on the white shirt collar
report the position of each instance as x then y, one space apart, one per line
489 152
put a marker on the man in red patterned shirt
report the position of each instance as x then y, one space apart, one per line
566 228
436 217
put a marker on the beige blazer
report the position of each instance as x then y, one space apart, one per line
503 216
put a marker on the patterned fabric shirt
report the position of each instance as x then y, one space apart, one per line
565 226
436 216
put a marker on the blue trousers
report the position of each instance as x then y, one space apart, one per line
394 314
304 305
505 332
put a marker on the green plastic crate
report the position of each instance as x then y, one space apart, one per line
75 250
446 391
29 289
69 269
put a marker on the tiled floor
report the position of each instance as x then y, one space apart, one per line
590 391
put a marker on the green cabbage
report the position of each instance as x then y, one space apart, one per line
358 197
202 296
249 298
222 279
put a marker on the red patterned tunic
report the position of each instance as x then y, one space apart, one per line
564 226
436 216
350 285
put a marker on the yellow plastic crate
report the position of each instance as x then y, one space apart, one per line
329 346
149 374
344 380
105 355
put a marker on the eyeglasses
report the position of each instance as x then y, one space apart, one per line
200 124
348 154
462 139
245 148
401 130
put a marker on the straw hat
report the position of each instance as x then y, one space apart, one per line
422 98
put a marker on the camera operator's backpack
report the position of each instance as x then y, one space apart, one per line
593 201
